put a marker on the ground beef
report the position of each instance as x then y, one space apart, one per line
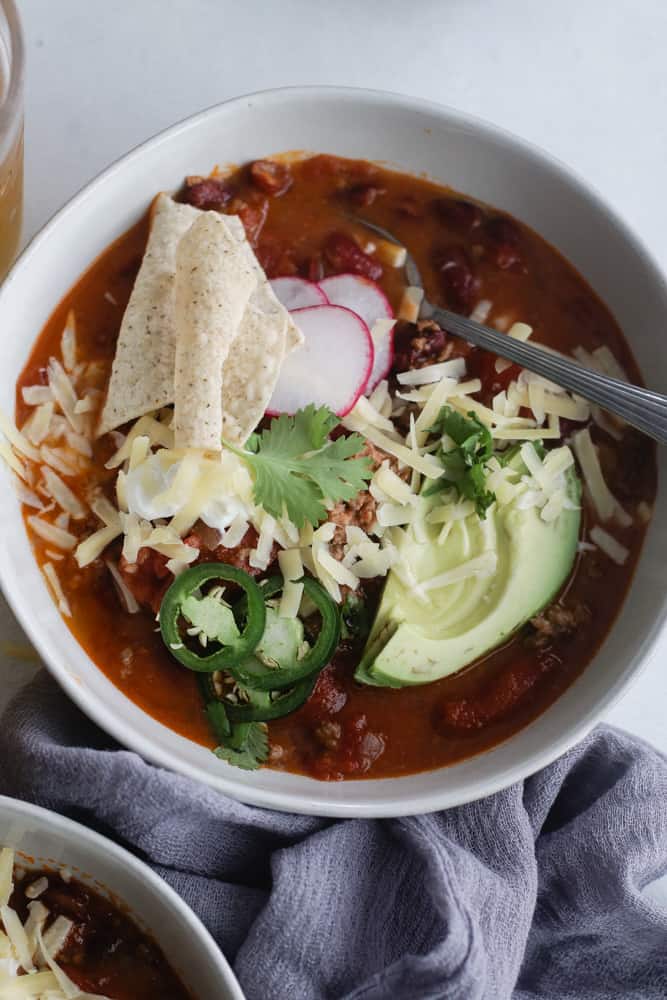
328 734
148 578
204 538
355 750
557 621
418 344
361 510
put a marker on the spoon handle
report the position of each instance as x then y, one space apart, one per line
642 408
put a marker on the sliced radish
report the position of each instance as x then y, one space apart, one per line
367 299
297 293
359 294
332 366
382 335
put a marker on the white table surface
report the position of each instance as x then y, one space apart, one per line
587 81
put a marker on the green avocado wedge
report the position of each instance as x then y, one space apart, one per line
419 638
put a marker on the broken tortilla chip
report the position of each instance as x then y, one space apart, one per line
214 281
251 370
142 376
143 373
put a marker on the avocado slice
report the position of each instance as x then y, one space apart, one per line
416 641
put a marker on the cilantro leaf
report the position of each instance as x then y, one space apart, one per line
464 464
247 747
297 467
471 436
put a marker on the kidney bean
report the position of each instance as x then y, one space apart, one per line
509 259
364 194
315 267
207 193
459 213
252 214
505 238
271 177
457 278
500 229
343 255
410 207
482 365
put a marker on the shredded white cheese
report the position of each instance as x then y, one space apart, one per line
55 585
61 493
94 545
604 501
609 545
58 537
433 373
6 874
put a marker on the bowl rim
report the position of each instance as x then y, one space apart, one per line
317 802
74 833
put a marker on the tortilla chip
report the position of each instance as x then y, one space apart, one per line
142 376
251 372
269 300
252 368
214 281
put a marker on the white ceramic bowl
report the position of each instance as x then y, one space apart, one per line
44 839
415 136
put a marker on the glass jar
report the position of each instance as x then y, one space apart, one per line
12 67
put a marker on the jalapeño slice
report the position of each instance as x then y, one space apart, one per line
264 706
254 674
235 644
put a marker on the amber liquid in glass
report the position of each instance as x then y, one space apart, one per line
11 203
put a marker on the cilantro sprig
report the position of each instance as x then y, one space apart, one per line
246 747
297 466
464 464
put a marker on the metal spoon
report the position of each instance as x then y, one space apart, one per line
642 408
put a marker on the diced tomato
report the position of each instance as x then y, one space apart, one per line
499 697
329 696
148 578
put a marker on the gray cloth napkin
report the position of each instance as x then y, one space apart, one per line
532 893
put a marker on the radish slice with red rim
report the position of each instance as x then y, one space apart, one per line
332 366
382 335
359 294
297 293
367 300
